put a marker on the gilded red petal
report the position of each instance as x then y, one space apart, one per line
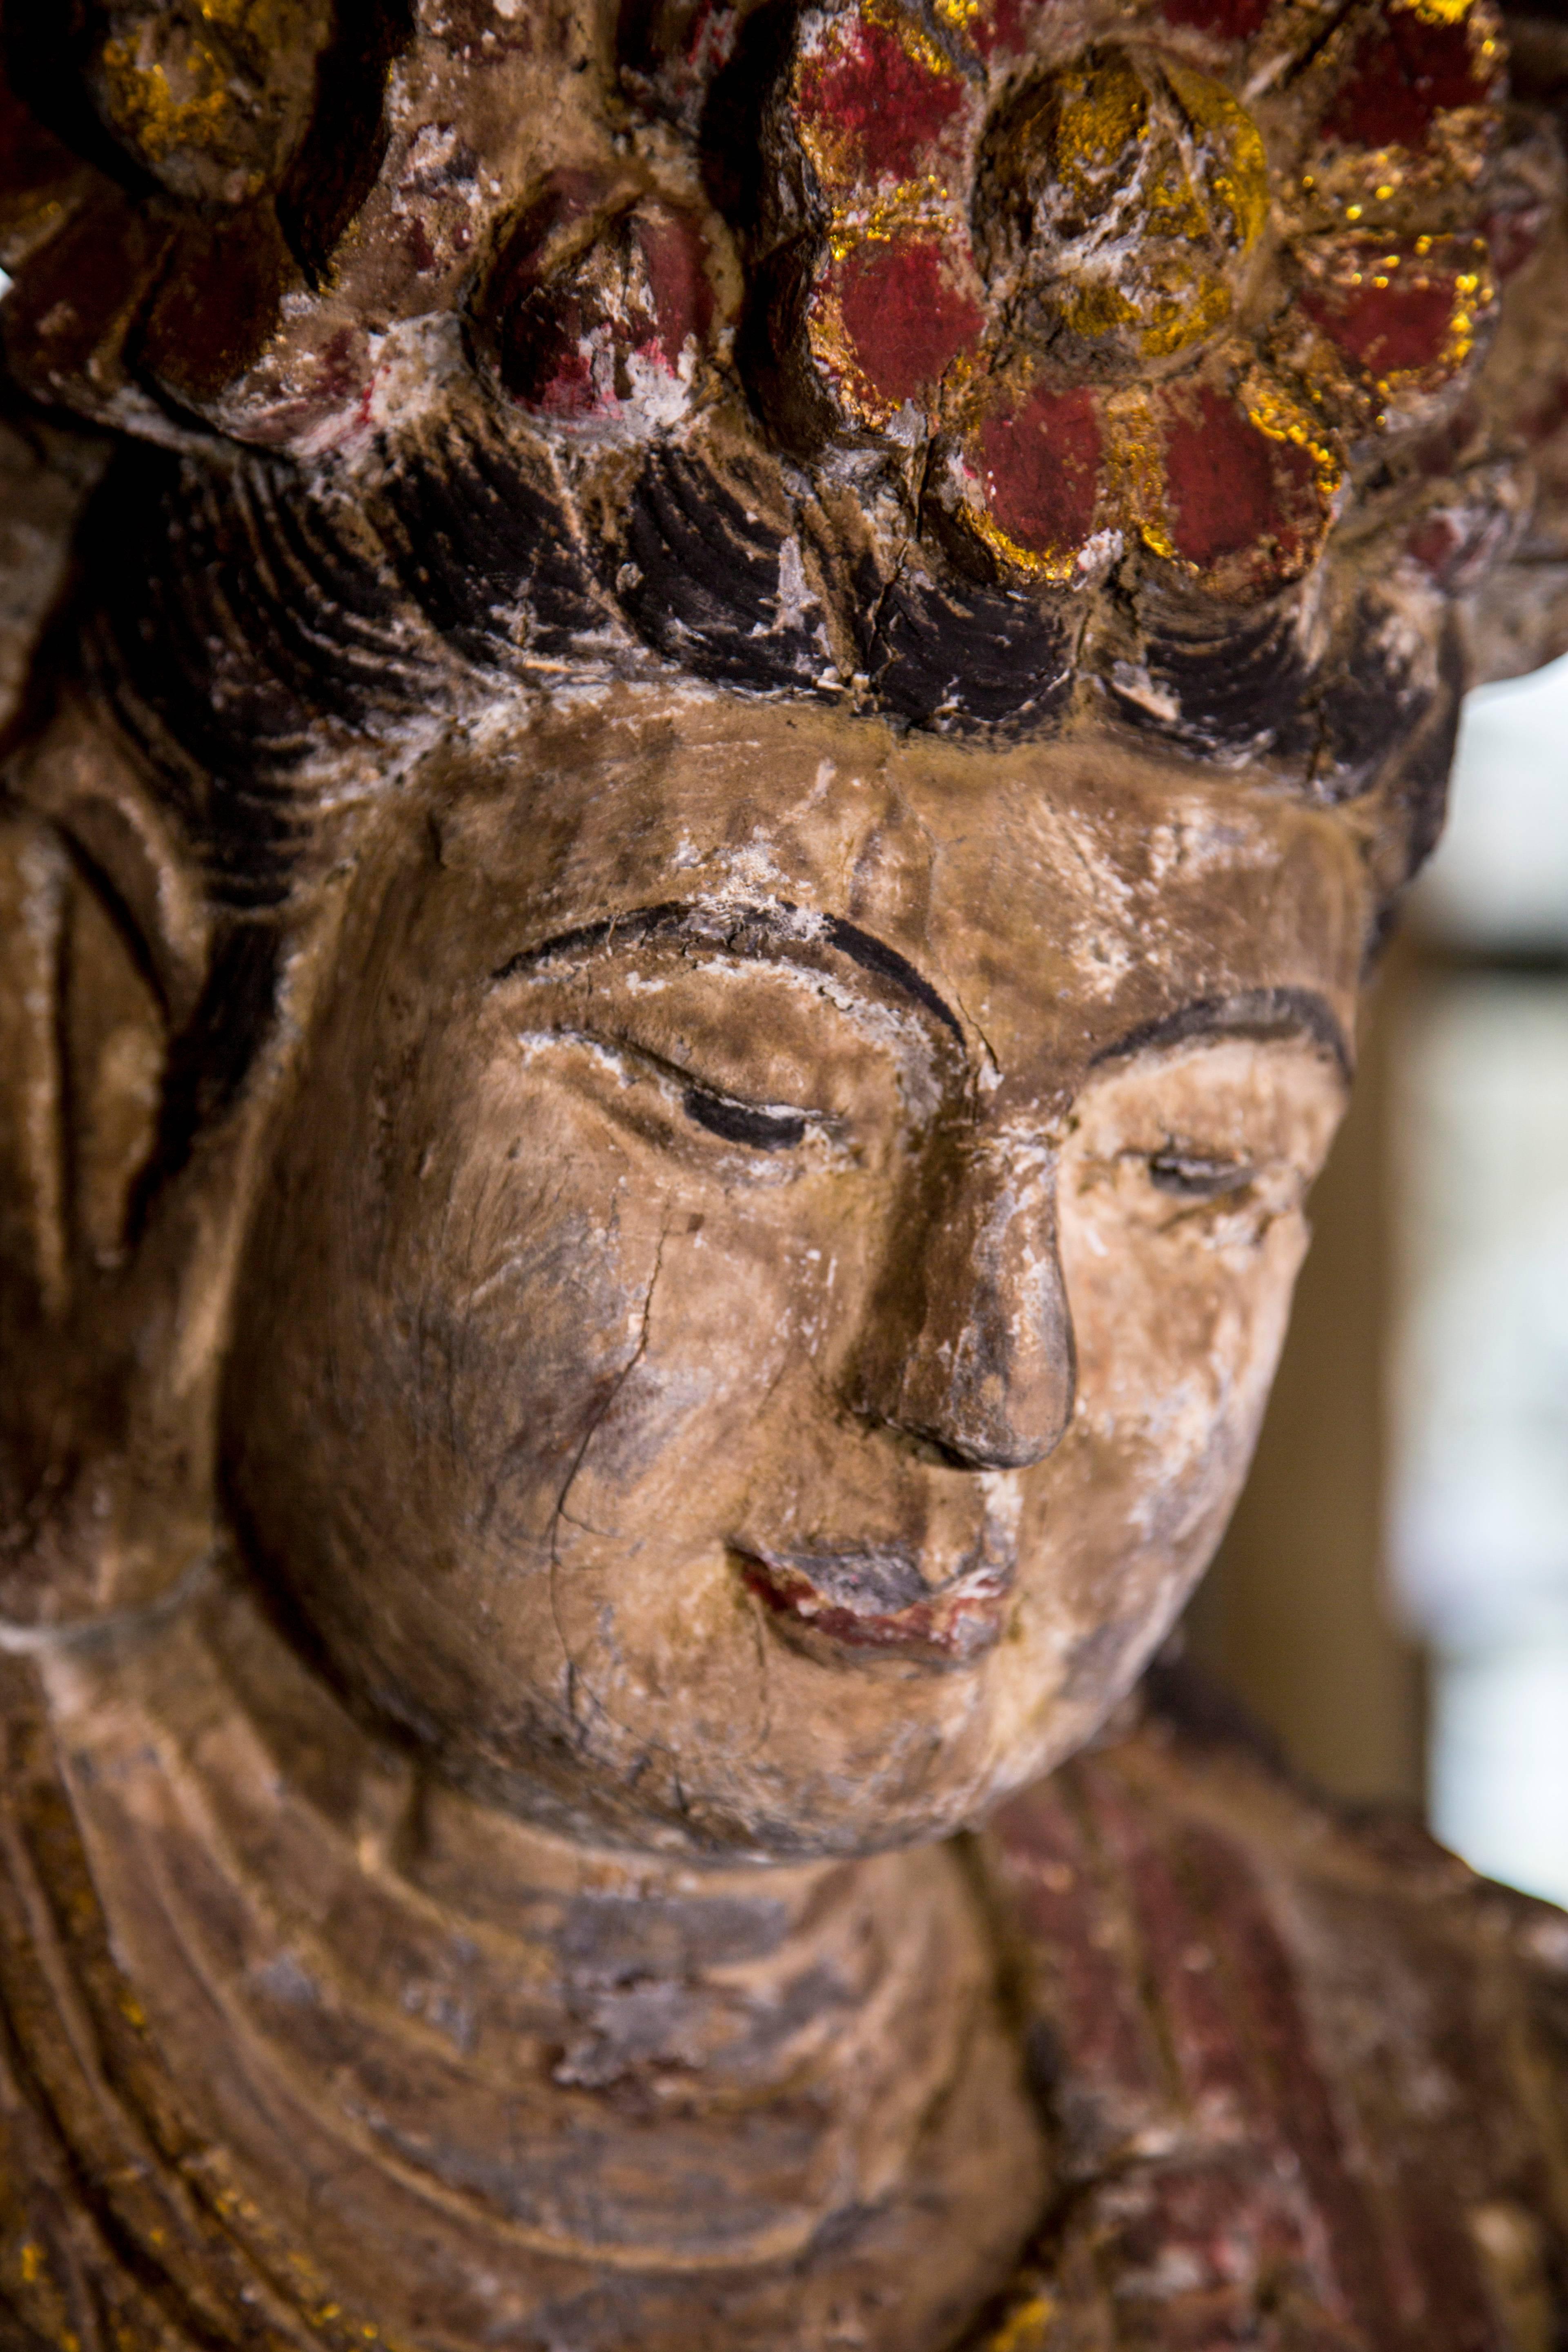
217 303
1039 468
872 104
1007 28
67 322
1402 327
674 257
563 329
905 313
1406 71
1234 491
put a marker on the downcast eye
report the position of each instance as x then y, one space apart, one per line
762 1130
756 1126
1193 1176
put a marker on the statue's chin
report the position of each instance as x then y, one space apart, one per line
858 1748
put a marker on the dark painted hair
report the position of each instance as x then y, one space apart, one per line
251 618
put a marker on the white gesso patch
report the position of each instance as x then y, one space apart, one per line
1134 681
749 868
659 397
1097 555
534 1043
1104 949
794 592
414 363
1200 844
1185 1427
1003 1496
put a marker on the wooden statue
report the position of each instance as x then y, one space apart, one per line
708 715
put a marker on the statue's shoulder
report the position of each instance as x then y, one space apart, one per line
100 2243
1303 2062
60 2281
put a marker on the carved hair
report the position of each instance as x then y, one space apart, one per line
245 626
995 371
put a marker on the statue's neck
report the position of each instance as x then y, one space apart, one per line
536 2061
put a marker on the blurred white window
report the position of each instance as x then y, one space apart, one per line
1479 1497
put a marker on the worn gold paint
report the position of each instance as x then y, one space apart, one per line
917 45
206 100
1271 408
1190 317
146 111
1097 308
1191 207
1135 469
1102 115
1023 2329
913 204
1239 179
1055 566
1473 291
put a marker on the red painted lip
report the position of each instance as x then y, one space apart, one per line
839 1602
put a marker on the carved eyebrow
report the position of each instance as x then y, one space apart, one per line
764 932
1265 1012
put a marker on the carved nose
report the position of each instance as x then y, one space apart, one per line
974 1350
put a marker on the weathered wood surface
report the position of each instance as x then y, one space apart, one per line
1303 2080
706 726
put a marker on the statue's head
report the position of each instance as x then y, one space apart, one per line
749 797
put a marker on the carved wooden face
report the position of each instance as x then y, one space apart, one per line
775 1259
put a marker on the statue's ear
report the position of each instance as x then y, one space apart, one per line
104 1490
103 953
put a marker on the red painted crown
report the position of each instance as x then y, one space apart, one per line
1141 279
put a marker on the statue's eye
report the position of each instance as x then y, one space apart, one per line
1196 1176
739 1119
738 1122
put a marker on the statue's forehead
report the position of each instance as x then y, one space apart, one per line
1075 867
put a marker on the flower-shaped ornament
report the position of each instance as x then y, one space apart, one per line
1145 279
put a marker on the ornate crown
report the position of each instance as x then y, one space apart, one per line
986 363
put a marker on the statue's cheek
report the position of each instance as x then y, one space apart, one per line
585 1323
1179 1330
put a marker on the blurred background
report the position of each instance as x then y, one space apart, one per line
1392 1598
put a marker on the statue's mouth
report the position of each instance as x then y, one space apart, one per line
875 1601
